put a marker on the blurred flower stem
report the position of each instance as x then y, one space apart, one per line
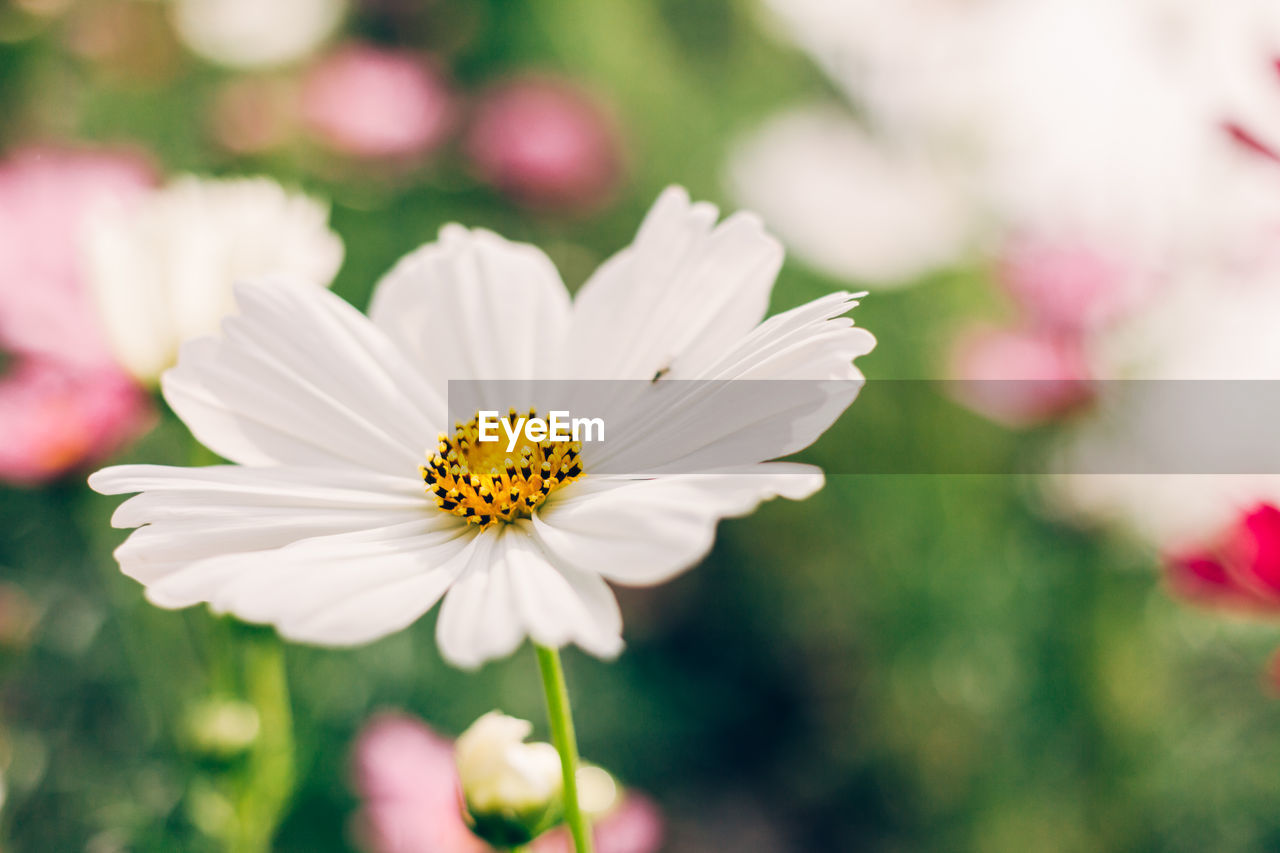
249 660
267 780
560 716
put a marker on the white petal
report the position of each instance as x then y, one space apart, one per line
558 605
188 515
682 427
302 378
646 532
845 203
475 306
511 590
173 493
333 590
328 557
163 269
478 621
686 288
811 341
131 294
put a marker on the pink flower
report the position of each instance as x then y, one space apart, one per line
406 776
45 196
64 403
1019 377
1239 571
369 102
546 143
636 827
1066 286
412 800
55 418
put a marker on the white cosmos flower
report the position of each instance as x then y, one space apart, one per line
256 33
850 206
1122 150
163 271
1204 337
324 528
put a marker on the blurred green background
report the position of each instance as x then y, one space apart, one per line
900 663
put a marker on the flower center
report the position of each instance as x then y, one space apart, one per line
484 482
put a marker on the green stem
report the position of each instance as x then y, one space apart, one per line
252 658
566 743
269 778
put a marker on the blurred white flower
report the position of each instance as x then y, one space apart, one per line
256 33
1086 122
1239 70
163 270
598 792
328 415
500 773
1207 328
1097 128
849 206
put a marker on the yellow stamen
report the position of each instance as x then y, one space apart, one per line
484 483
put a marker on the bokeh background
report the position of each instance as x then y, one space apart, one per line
900 663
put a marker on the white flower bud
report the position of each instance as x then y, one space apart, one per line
512 788
500 772
221 727
597 791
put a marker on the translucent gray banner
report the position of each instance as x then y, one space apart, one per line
646 428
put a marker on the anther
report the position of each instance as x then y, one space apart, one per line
512 488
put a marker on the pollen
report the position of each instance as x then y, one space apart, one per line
484 483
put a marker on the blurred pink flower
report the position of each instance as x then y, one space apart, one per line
45 197
1066 286
1019 377
55 418
636 827
64 402
1241 570
370 102
546 143
406 776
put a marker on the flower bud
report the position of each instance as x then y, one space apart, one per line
512 789
221 728
598 792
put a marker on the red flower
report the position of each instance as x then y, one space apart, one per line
1241 571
